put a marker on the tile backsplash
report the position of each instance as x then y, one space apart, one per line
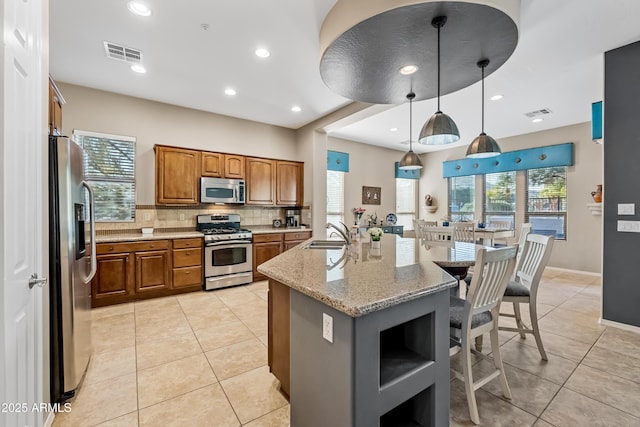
163 217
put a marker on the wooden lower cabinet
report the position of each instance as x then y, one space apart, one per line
269 245
278 333
112 281
265 247
293 239
129 271
187 263
152 271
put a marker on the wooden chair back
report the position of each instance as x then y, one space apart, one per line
491 274
533 259
464 232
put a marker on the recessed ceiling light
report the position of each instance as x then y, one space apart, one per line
262 53
230 91
497 97
408 69
138 8
138 68
538 120
393 130
296 109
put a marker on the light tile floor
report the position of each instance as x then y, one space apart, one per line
200 359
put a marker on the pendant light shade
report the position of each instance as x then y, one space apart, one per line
483 145
410 160
440 128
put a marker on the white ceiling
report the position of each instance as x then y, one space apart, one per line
558 63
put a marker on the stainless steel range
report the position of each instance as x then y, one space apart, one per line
228 251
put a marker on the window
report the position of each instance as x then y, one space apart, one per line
462 192
406 202
546 198
335 197
500 197
110 168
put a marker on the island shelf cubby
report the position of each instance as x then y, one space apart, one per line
385 368
405 348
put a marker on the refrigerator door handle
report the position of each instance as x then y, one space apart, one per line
92 221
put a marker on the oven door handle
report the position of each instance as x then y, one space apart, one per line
229 242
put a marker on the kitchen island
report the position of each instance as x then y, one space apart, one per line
360 336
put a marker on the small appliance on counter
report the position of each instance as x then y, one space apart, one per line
277 223
292 218
228 251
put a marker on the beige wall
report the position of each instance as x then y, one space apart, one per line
583 248
369 166
157 123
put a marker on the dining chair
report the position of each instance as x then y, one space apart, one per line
524 288
500 225
436 236
464 232
525 229
478 314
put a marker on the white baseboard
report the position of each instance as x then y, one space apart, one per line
568 270
48 422
619 325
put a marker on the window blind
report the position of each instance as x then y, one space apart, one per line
406 202
499 197
546 201
462 192
109 167
335 196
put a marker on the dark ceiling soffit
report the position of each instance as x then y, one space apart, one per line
363 63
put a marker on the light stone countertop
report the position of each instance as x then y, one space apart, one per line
365 281
264 229
157 235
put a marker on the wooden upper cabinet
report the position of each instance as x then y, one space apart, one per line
233 166
261 181
177 176
219 165
212 164
55 109
289 183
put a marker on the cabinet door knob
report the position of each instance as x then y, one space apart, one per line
187 272
110 248
152 246
187 253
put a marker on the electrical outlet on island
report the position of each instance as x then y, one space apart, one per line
327 327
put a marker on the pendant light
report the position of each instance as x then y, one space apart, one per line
410 160
439 129
483 145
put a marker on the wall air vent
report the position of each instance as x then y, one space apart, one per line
122 53
538 113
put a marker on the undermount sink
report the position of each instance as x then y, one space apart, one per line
325 244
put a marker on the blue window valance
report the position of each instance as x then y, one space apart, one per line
406 173
530 158
337 161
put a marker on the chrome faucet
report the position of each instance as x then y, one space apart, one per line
343 233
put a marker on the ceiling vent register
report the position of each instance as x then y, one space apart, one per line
538 113
122 53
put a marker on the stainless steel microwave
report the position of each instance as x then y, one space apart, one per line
218 190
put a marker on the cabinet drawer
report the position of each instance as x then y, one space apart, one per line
298 235
268 237
187 243
114 248
188 276
187 257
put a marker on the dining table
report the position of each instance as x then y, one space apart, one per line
453 257
487 234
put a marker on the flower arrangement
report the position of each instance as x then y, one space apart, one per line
357 215
375 233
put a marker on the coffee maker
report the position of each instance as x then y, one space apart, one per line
292 217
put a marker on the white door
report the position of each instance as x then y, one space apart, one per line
23 211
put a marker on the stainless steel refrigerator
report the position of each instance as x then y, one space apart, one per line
72 264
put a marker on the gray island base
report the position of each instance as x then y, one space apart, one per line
365 346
